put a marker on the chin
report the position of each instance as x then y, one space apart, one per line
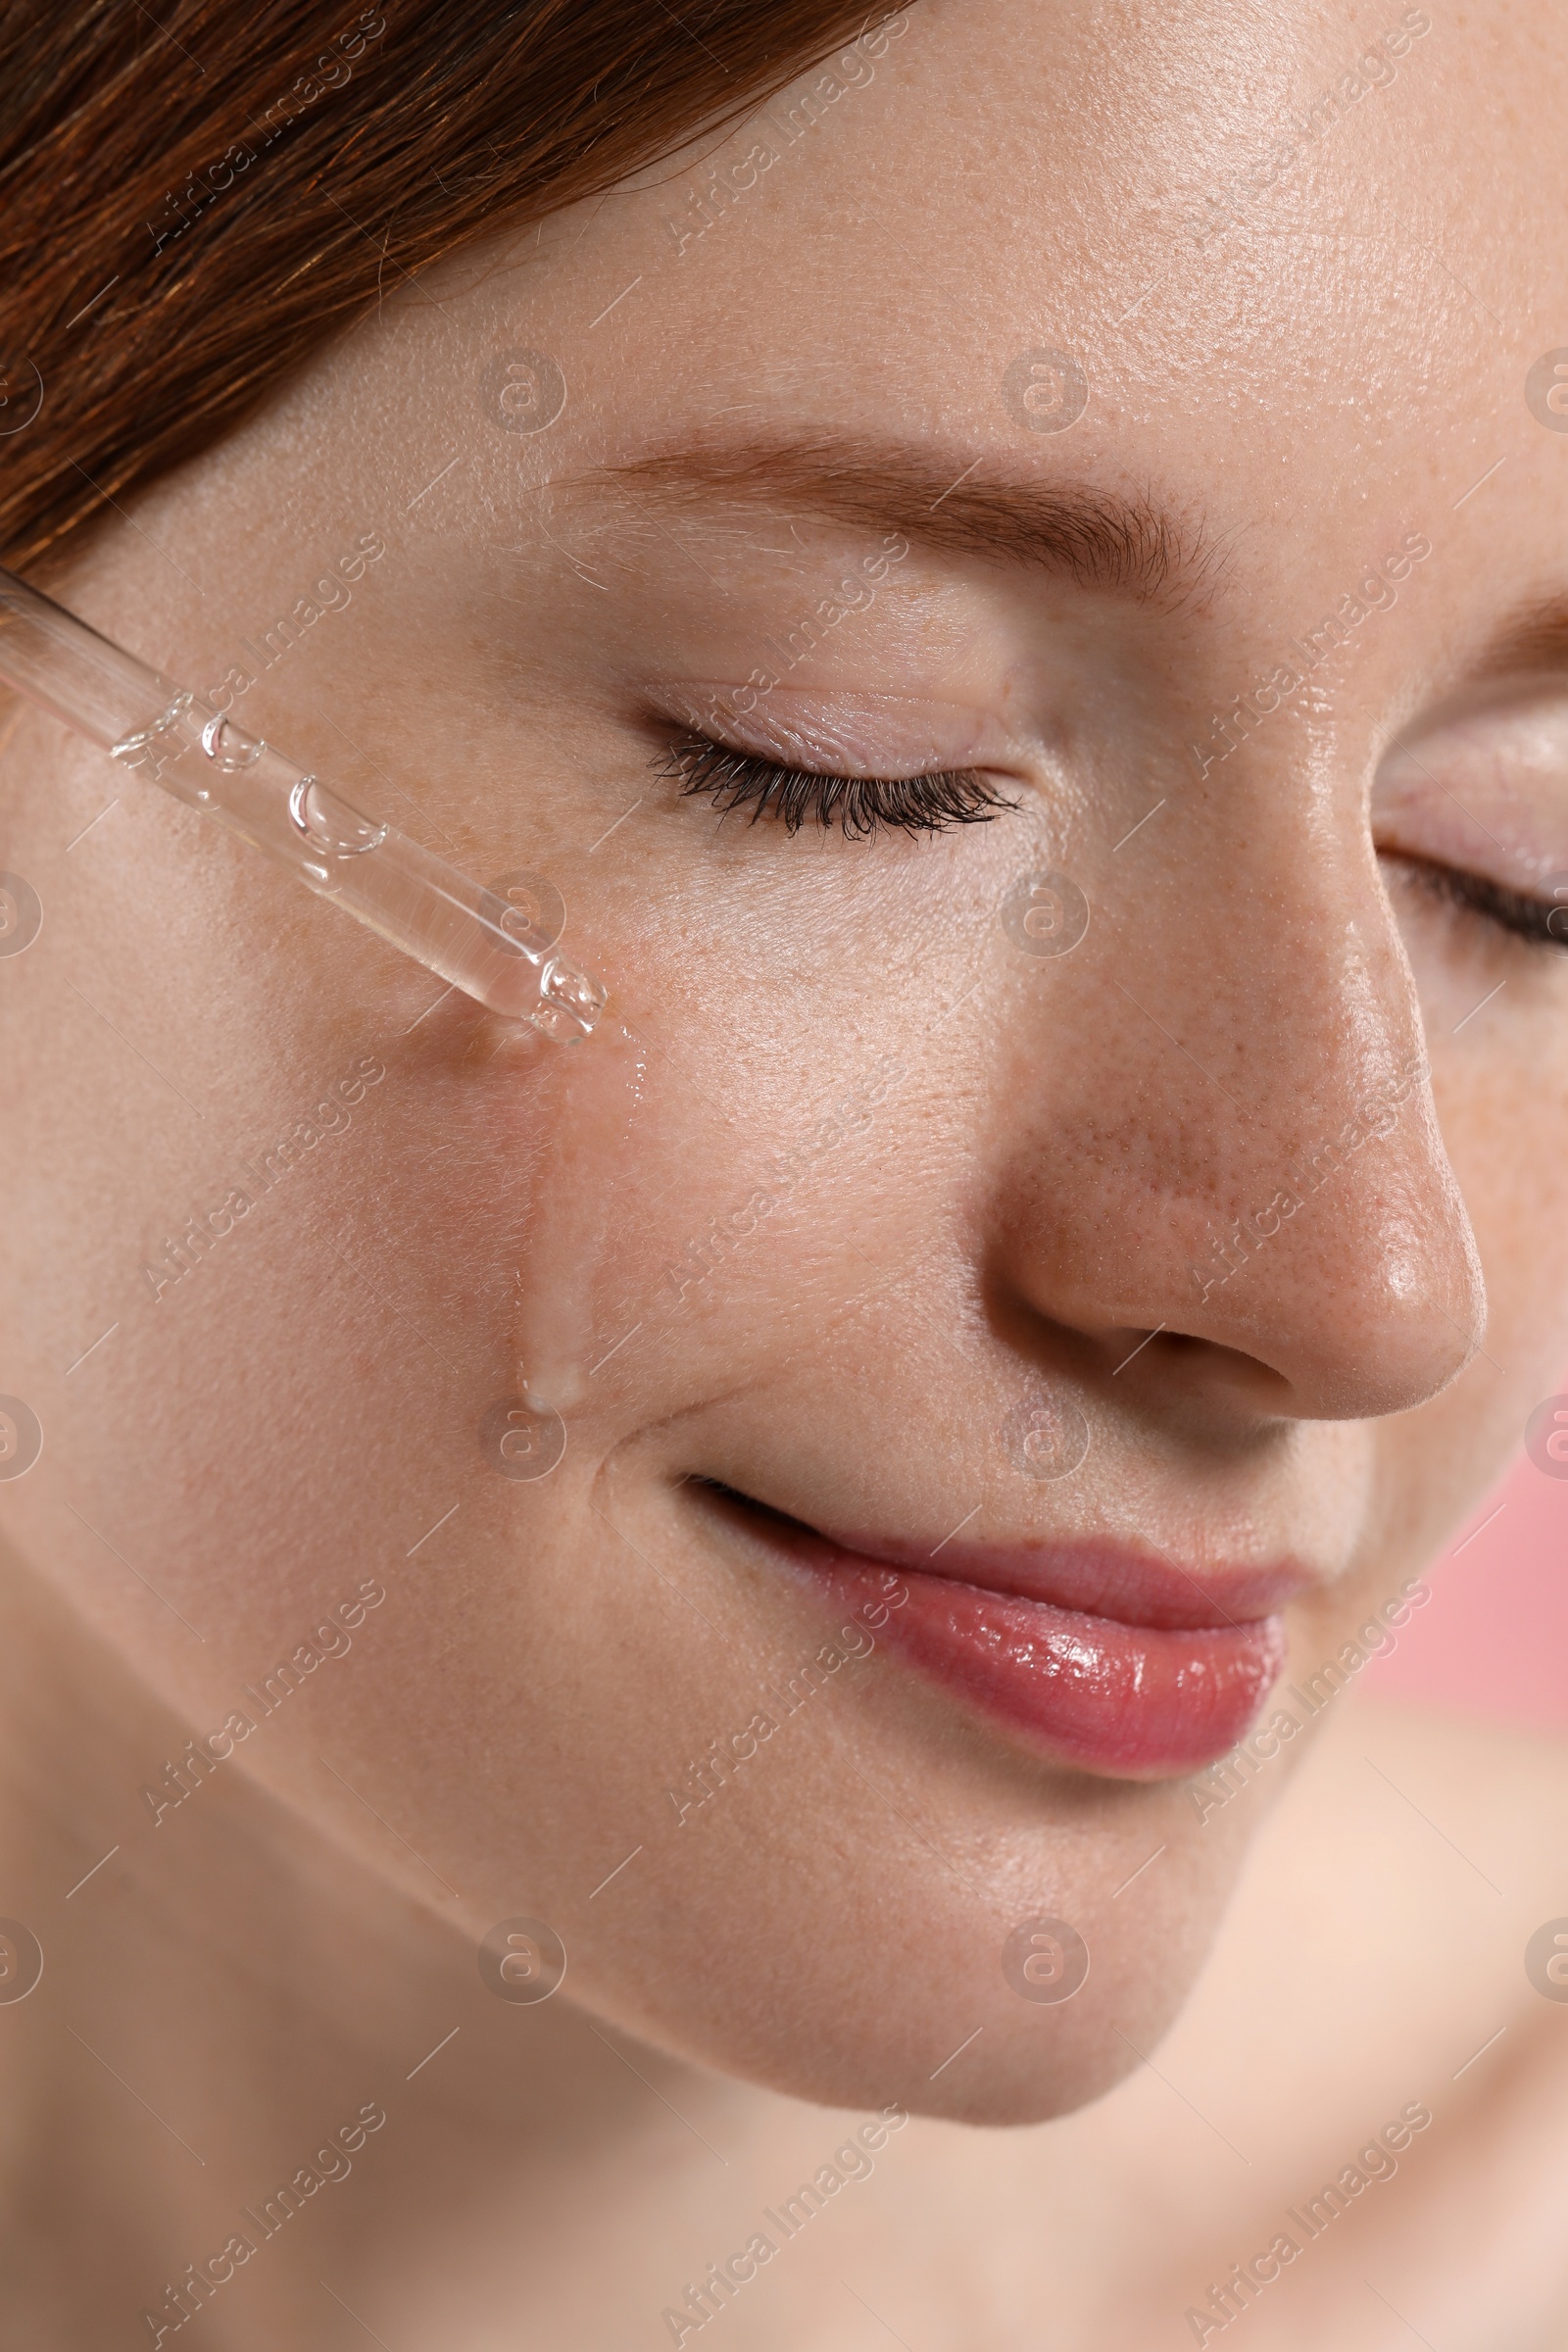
806 1961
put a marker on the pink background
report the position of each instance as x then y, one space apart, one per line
1492 1640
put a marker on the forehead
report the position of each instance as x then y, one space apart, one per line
1285 270
1002 162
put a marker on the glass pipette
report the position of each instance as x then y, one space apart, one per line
466 934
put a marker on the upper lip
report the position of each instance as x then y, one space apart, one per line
1096 1575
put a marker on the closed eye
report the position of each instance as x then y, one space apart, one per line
858 805
1543 922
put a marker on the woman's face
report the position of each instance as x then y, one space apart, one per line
1122 1231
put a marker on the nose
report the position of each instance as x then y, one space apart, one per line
1220 1128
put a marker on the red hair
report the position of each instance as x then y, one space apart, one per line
188 207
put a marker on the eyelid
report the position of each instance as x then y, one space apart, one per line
1485 789
839 732
1540 922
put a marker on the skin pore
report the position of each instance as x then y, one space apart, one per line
855 1191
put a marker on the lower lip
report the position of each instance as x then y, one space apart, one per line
1138 1702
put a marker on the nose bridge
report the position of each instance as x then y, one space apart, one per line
1258 911
1281 960
1254 1160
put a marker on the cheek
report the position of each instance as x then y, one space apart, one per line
1432 1468
1517 1088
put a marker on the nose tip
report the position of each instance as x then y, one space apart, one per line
1360 1284
1316 1242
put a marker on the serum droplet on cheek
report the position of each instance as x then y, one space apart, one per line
584 1108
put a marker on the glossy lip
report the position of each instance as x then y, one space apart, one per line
1095 1573
1088 1653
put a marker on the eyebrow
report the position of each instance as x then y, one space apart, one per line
1099 538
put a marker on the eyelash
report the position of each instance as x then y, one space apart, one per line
860 806
932 803
1512 910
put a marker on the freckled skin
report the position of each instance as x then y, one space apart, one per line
874 1178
